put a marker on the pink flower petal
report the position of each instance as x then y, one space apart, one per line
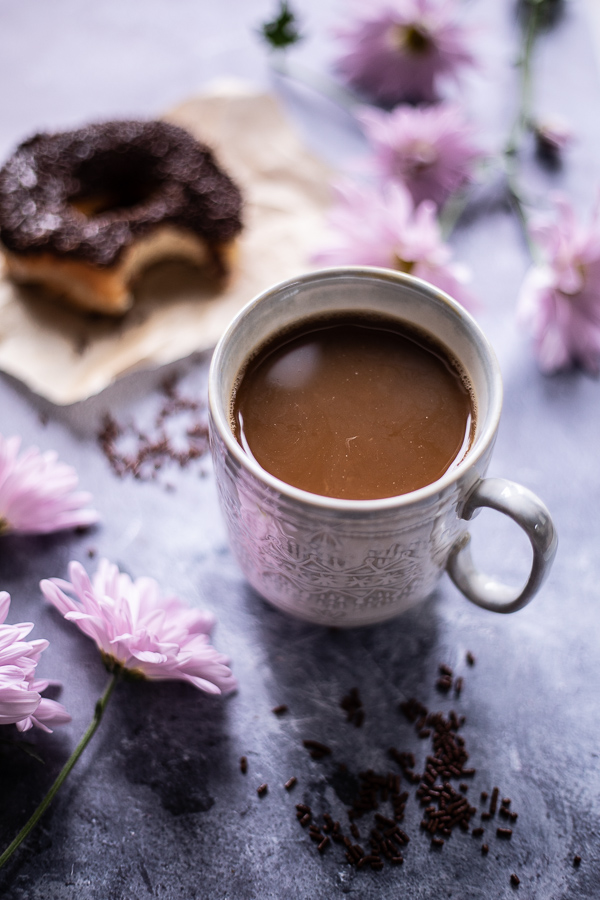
50 713
16 703
19 689
37 493
4 605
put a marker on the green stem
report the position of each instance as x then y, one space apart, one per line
39 812
523 118
521 124
518 204
451 212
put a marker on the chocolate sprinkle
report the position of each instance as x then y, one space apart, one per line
352 705
317 749
445 806
324 843
142 453
494 801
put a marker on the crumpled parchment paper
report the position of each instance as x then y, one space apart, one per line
66 356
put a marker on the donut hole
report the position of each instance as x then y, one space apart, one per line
114 183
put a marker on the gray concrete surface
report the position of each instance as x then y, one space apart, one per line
157 807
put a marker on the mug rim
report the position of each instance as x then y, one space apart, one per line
450 477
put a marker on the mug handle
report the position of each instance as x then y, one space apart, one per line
530 513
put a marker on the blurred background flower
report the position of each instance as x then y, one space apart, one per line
382 227
395 50
429 149
560 298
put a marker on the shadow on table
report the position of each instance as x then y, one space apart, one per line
400 654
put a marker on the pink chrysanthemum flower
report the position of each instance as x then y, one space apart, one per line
137 631
429 149
37 492
560 299
398 50
381 227
21 703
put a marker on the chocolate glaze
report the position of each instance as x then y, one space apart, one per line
148 174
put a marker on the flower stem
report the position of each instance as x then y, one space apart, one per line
523 118
451 212
521 124
39 812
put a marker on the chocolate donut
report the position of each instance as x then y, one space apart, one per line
84 211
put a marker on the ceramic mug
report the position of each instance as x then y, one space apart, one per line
355 562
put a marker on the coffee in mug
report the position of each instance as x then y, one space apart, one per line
355 407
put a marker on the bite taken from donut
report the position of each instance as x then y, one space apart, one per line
83 212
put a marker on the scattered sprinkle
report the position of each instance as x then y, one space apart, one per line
178 435
494 801
445 807
317 749
352 705
444 683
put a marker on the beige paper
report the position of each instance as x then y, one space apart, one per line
66 356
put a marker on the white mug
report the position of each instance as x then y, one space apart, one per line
355 562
